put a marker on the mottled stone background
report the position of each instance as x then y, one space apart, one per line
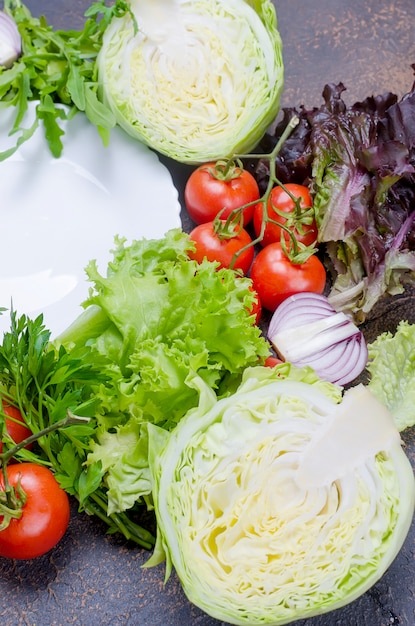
93 579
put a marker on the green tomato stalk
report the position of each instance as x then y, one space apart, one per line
296 251
12 500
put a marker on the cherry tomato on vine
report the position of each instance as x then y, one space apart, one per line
216 186
282 209
275 277
209 245
15 425
45 514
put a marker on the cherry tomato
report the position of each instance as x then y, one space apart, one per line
279 200
209 245
15 425
275 277
256 308
210 189
272 361
45 515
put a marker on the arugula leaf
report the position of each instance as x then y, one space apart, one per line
57 67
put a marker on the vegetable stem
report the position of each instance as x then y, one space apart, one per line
97 504
13 499
67 421
295 251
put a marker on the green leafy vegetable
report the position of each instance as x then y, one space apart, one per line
199 81
46 385
156 320
56 68
392 372
360 159
282 501
159 318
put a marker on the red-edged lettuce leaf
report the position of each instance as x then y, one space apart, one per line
359 161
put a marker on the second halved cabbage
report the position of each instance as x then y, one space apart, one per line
280 502
197 81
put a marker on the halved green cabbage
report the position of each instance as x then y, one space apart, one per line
280 502
199 80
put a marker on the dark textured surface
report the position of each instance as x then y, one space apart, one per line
92 579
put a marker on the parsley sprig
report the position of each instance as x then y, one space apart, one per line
57 67
47 384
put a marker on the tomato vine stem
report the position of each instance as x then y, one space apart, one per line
69 420
294 250
13 499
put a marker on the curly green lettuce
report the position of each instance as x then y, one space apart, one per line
391 367
158 318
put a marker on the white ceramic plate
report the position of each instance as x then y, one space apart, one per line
58 214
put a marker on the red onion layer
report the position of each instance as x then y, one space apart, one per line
306 330
10 41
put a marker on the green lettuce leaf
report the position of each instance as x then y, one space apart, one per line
157 319
123 457
392 372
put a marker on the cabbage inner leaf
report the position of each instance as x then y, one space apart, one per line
250 543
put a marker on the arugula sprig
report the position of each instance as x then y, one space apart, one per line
46 384
56 68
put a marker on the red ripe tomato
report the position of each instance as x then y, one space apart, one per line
275 277
209 245
256 308
45 515
272 361
15 425
279 200
216 186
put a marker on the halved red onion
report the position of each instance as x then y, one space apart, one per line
10 40
306 330
310 305
335 368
